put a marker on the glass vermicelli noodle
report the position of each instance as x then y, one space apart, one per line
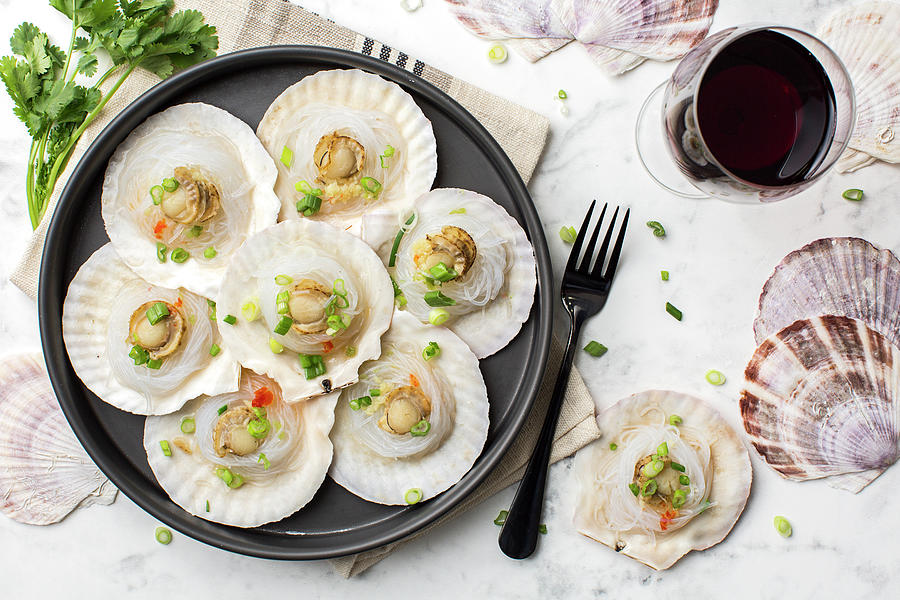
393 370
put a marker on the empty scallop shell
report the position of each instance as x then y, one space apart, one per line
864 36
820 400
44 472
842 276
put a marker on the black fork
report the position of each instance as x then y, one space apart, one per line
585 288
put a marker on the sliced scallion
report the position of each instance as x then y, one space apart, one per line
649 487
653 468
421 428
284 279
457 211
283 326
222 409
287 157
413 496
393 257
677 466
497 54
265 461
179 255
230 319
437 298
214 350
675 420
670 308
442 272
715 377
138 355
438 316
634 488
188 425
371 185
613 446
684 480
161 250
275 346
163 536
170 184
783 527
501 518
658 230
595 349
210 252
679 497
432 350
156 193
166 449
350 351
154 363
258 428
194 231
662 449
854 194
664 275
542 529
568 234
157 312
250 311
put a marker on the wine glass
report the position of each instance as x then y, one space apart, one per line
754 113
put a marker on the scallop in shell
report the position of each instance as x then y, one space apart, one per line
842 276
487 257
183 192
306 288
347 142
411 422
244 458
864 35
820 401
127 361
44 472
669 475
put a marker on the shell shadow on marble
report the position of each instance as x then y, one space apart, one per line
864 36
44 472
842 276
820 400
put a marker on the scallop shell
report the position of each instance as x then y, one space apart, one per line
530 27
44 472
87 312
255 262
386 480
842 276
369 100
864 36
730 480
191 480
820 401
196 135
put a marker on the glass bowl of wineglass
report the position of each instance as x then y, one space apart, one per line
755 113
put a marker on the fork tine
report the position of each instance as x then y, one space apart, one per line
601 256
576 247
585 266
617 249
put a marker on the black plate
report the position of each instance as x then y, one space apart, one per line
335 522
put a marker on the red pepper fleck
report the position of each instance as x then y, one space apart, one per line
179 302
262 397
667 518
327 347
158 228
413 380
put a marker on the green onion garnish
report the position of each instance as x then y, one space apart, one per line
222 409
854 194
457 211
675 420
442 272
715 377
497 54
309 205
287 157
194 231
166 449
275 346
284 325
163 536
350 351
413 495
684 480
207 506
664 275
679 497
157 312
653 468
649 488
179 255
214 350
154 363
783 527
399 236
658 230
568 234
438 316
542 529
156 193
210 252
265 461
374 392
421 428
161 250
250 311
677 466
613 446
501 518
284 279
361 402
259 411
232 480
138 355
595 349
258 428
437 298
212 309
312 364
432 350
371 185
188 425
562 94
634 488
662 449
230 319
170 184
384 161
303 187
673 311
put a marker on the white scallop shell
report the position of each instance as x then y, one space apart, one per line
87 310
250 269
490 328
864 36
386 480
192 483
842 276
44 472
730 478
369 102
212 140
820 400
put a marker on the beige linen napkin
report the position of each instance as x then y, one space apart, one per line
522 134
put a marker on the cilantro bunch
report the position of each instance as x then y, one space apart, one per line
40 77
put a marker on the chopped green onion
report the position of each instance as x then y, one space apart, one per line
258 428
437 298
282 302
313 365
420 429
595 349
138 355
287 157
715 377
432 350
207 506
157 312
442 272
542 529
232 480
350 351
783 527
374 392
230 319
649 488
388 151
438 316
309 205
677 466
161 250
194 231
384 161
210 252
339 288
568 234
653 468
284 279
457 211
634 488
303 187
154 363
613 446
497 54
275 346
397 290
400 300
662 449
259 411
214 350
501 518
679 497
658 230
684 480
265 461
371 185
212 309
284 325
163 536
179 255
222 409
156 193
673 311
166 449
562 94
188 425
250 311
675 420
854 194
664 275
354 404
170 184
413 496
399 236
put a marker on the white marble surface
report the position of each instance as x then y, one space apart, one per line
718 256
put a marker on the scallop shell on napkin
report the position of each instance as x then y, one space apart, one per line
44 472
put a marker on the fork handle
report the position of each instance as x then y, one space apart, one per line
518 538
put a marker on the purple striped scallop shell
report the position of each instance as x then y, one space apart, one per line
820 400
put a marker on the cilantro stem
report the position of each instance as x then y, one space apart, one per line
29 185
71 47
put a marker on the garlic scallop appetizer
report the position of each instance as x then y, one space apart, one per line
668 476
461 259
183 192
417 419
306 304
347 143
142 348
245 458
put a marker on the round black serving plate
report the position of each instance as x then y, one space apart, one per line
335 522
